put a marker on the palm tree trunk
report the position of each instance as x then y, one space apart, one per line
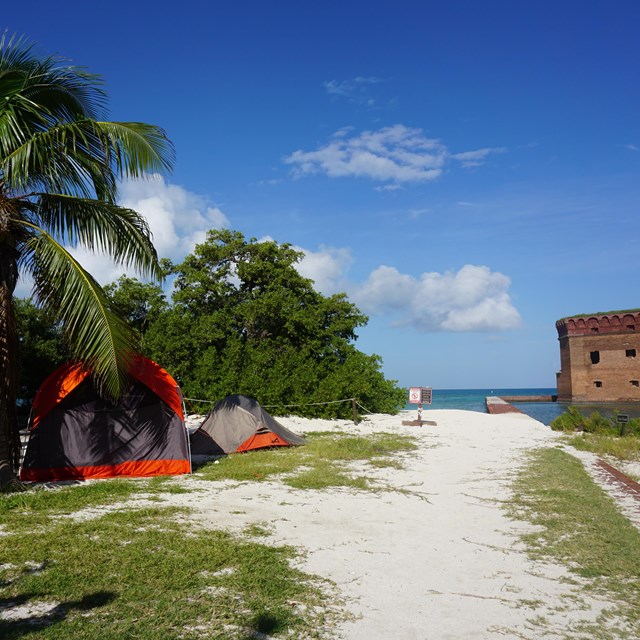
9 434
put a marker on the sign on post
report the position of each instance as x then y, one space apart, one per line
623 421
419 396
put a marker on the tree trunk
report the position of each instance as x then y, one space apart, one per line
9 433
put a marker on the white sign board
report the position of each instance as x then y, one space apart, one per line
420 395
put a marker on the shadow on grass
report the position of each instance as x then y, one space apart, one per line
197 461
19 617
265 624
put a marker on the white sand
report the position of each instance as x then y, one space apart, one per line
441 561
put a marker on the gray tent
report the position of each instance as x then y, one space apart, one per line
238 423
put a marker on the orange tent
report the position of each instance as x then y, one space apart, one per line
76 434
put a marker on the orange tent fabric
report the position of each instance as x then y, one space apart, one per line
76 434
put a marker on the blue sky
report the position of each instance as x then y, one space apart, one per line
468 172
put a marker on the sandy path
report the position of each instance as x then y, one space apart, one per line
439 562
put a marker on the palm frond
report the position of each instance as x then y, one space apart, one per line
84 157
100 226
15 51
62 90
137 148
17 118
68 158
59 166
98 337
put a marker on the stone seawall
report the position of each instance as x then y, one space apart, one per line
529 398
499 405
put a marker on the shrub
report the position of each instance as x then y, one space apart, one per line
570 420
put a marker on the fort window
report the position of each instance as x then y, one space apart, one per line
595 357
635 383
595 329
630 353
597 383
631 327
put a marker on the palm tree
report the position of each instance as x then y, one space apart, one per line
59 166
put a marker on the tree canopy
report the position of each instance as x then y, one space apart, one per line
243 320
42 349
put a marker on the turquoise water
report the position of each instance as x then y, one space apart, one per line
473 400
545 412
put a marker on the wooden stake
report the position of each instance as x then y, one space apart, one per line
354 411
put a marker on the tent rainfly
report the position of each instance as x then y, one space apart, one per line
75 434
236 424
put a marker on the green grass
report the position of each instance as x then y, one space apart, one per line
27 510
600 313
580 526
144 572
257 530
627 448
322 462
324 474
600 435
139 573
251 466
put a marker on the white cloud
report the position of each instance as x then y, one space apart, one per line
355 90
326 267
476 158
631 147
388 187
473 299
395 155
178 219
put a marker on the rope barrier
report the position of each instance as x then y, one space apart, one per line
270 406
364 408
307 404
194 400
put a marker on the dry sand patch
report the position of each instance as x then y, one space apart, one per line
441 560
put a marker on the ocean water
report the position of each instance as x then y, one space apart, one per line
545 412
473 400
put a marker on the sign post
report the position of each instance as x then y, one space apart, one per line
419 396
623 421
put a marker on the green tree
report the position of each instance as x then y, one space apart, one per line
243 320
141 303
42 348
59 165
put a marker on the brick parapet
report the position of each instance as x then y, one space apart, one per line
606 323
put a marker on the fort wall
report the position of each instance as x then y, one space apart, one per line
599 358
